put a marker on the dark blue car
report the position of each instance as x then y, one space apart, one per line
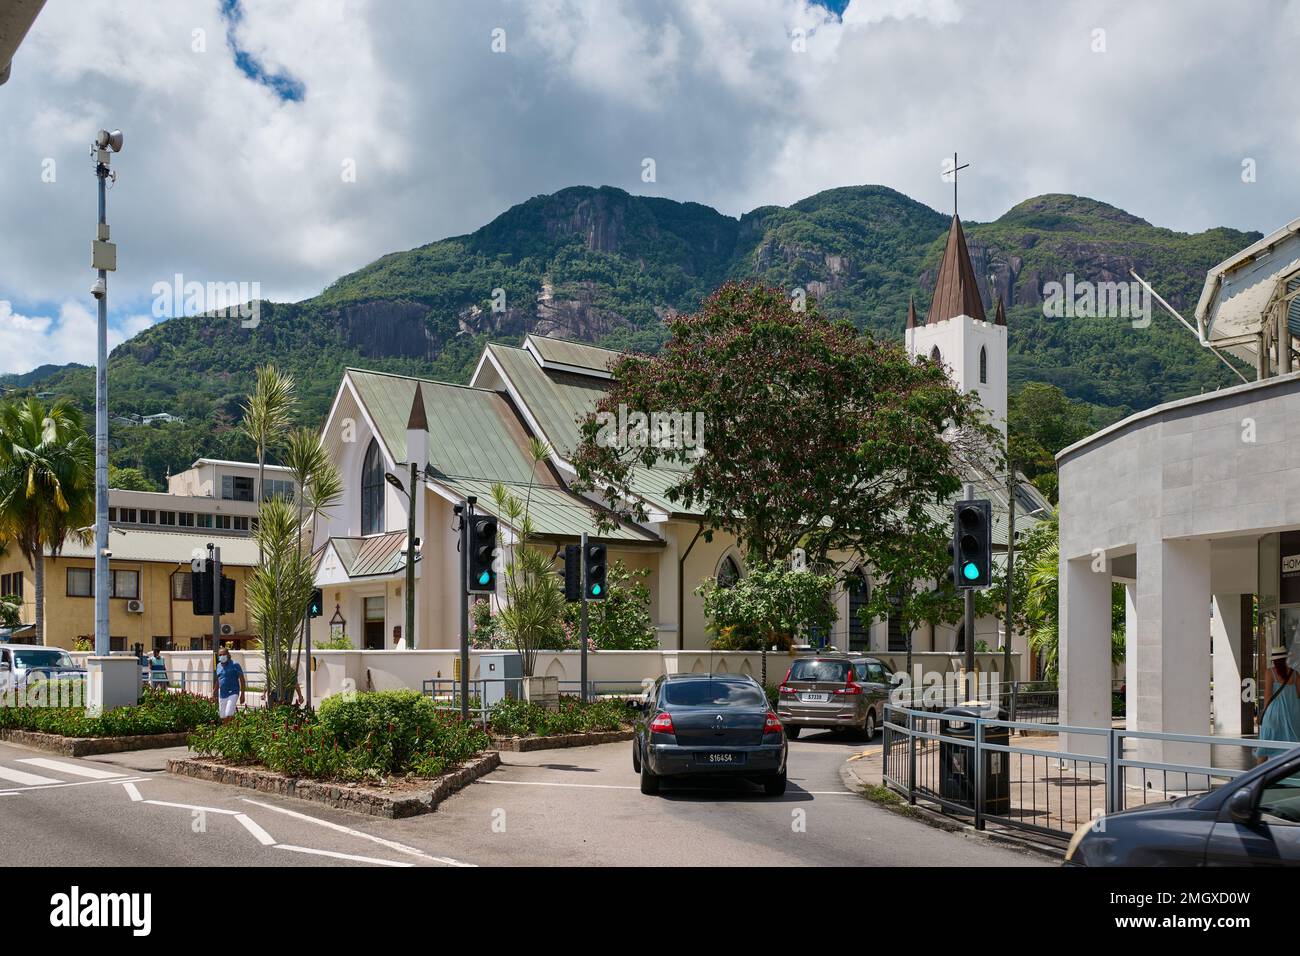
709 725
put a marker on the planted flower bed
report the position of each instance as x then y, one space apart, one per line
521 725
390 753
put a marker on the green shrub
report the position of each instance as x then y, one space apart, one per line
521 718
353 737
159 712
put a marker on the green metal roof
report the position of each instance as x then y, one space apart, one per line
476 440
576 354
371 556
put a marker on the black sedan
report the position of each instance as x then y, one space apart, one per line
705 725
1253 820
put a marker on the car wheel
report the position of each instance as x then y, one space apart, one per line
636 757
775 786
793 732
649 781
869 726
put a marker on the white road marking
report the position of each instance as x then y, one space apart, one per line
27 779
57 786
391 844
190 806
341 856
94 773
259 834
543 783
132 792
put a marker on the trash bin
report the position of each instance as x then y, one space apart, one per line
957 761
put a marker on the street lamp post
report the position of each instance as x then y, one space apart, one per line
103 259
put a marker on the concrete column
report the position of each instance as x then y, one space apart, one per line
1084 652
1173 650
1130 655
1225 630
670 585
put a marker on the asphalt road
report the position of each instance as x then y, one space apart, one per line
576 807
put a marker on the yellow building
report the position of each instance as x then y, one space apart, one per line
150 604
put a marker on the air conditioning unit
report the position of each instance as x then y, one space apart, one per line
227 630
135 607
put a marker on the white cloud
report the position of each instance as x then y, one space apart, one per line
221 181
27 342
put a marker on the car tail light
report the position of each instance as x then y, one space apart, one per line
850 688
663 724
770 724
785 689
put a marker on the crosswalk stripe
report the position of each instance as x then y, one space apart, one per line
341 856
77 770
27 779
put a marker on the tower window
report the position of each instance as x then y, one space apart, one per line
372 491
984 366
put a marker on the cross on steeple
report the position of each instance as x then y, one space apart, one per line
955 169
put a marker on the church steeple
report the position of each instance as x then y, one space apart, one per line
1000 317
955 291
911 312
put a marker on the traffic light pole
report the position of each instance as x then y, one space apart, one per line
214 566
466 522
968 624
582 632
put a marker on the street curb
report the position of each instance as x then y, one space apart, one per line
342 796
940 822
559 741
92 746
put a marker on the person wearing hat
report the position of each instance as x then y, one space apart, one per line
1281 720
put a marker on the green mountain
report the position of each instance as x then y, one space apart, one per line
601 265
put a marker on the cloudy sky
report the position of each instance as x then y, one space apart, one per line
286 143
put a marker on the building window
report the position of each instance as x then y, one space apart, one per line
124 584
859 593
223 522
167 517
81 582
128 515
148 516
116 643
204 521
372 491
187 519
236 488
728 572
278 488
241 524
897 639
984 366
11 584
183 586
112 514
935 356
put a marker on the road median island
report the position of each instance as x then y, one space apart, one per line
395 797
161 719
526 744
92 746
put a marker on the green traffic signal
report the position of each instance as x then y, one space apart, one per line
970 570
595 590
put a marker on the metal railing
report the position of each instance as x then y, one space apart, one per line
976 768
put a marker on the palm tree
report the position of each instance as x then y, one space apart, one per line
47 484
267 415
279 590
319 488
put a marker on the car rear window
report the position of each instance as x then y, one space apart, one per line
835 671
712 693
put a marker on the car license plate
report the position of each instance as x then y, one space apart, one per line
814 698
723 759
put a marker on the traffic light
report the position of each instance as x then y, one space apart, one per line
201 590
972 545
594 584
316 606
572 572
227 595
482 546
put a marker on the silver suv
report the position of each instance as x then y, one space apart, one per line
20 662
839 692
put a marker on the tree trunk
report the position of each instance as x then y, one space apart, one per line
38 571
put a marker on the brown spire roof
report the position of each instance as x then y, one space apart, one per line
418 420
1000 317
955 292
911 312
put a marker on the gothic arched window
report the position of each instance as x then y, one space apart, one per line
984 366
728 572
935 356
372 491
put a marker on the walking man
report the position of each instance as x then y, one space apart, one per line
228 685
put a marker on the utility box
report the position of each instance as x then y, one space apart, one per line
502 676
111 682
103 255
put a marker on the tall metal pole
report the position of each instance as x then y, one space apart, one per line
214 569
582 631
968 624
1011 569
409 634
101 433
466 520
